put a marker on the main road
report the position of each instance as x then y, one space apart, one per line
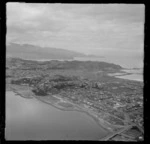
115 133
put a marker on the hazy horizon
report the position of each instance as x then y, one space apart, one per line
100 29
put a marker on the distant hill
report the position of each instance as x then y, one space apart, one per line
27 51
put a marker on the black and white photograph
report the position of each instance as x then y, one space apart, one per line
74 72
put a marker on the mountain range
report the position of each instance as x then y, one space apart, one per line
28 51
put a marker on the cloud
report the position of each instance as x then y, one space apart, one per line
78 27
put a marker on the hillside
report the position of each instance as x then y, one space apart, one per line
27 51
55 64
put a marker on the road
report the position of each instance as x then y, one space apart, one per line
115 133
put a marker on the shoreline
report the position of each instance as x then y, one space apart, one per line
78 110
126 78
65 109
74 109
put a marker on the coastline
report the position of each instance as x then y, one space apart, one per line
76 108
129 77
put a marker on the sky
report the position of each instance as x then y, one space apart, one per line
111 29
